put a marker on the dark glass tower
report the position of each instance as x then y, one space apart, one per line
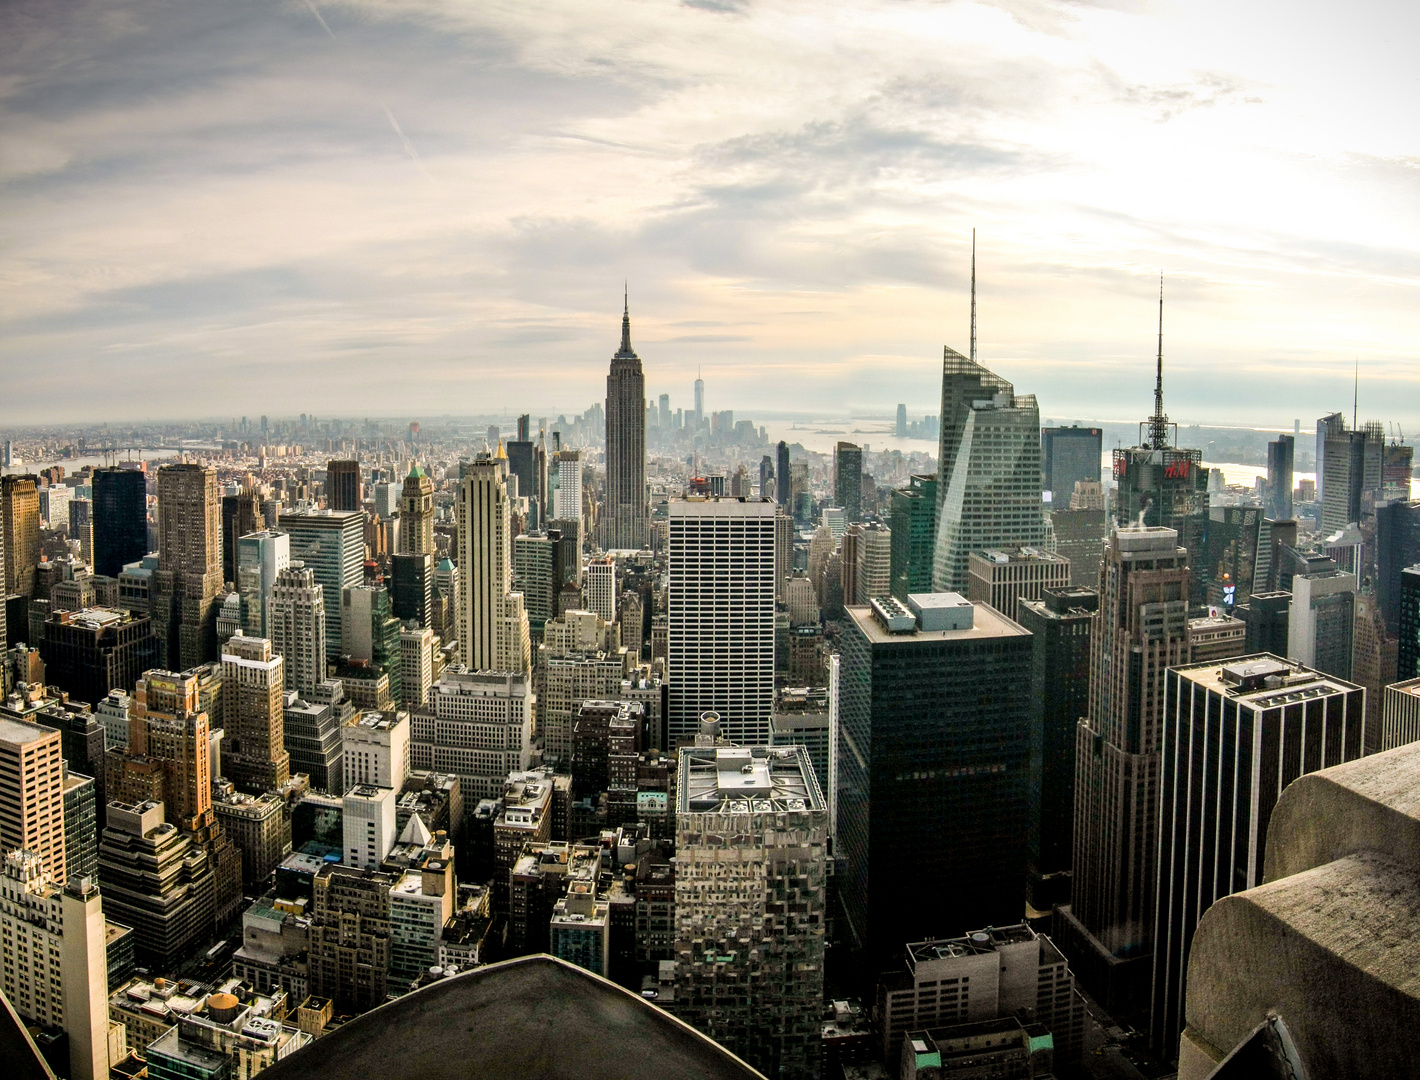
784 486
624 518
342 485
1408 660
1068 456
913 520
241 515
848 480
1278 505
120 519
412 587
932 781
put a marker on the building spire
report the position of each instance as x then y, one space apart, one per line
625 350
973 296
1159 423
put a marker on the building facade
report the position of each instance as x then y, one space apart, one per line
625 517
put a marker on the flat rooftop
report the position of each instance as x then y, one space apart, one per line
988 623
746 780
18 733
1245 679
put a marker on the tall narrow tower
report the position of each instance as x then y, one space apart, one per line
296 625
416 512
623 521
189 574
492 621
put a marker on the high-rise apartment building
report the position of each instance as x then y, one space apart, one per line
296 626
988 471
751 860
1061 623
625 517
566 468
242 514
254 756
260 556
913 519
1069 455
1140 632
1234 735
720 628
188 580
32 793
478 725
599 587
1001 577
416 513
55 969
342 485
492 620
330 544
1322 619
934 715
120 519
19 509
848 480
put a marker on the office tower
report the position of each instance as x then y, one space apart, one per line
260 557
848 480
871 552
566 680
1266 616
342 485
783 551
376 747
988 472
81 527
55 973
1400 714
998 972
523 463
312 723
1142 630
87 653
567 487
1079 537
1397 546
188 580
446 593
1326 427
1215 638
32 793
330 544
120 519
901 428
350 936
1225 563
1069 455
260 828
372 633
386 500
492 621
1061 623
1277 504
767 488
913 519
296 624
599 591
1161 485
490 711
624 518
422 901
720 630
368 825
783 484
241 515
54 504
4 604
416 513
19 511
1408 625
412 587
699 403
1001 577
112 712
1321 620
934 695
1374 659
81 828
254 756
1234 736
158 880
1349 470
535 576
168 758
417 658
665 403
751 859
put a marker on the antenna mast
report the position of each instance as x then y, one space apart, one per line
1355 392
1159 423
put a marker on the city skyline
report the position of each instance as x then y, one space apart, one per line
313 190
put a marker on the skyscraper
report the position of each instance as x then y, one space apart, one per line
189 575
1234 735
32 793
1277 504
988 478
848 480
296 627
342 485
416 513
783 480
260 557
1408 625
254 755
19 507
1071 454
81 527
912 516
934 708
120 519
241 514
720 625
624 518
1349 474
699 402
331 544
901 422
492 620
412 588
599 592
1322 619
1141 630
1326 426
751 857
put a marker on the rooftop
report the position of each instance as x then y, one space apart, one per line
744 780
18 733
988 623
1259 679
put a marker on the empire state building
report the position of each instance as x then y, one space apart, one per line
624 519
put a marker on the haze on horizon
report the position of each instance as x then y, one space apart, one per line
403 207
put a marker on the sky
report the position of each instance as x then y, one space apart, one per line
411 208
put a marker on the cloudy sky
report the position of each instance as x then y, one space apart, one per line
415 208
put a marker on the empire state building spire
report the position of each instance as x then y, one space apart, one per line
624 521
626 352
